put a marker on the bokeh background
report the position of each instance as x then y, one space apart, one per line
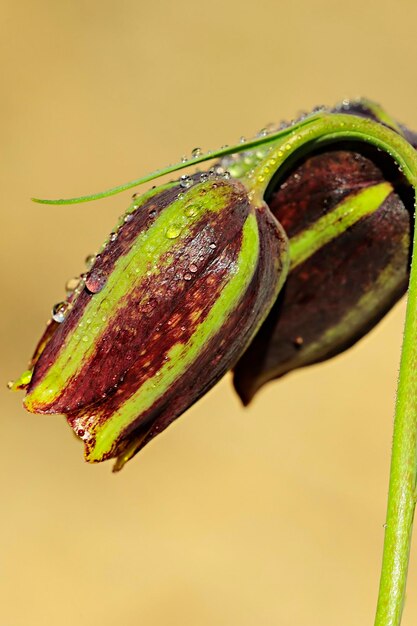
269 515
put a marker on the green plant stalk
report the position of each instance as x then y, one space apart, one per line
402 488
402 496
402 485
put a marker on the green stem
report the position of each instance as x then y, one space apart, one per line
402 486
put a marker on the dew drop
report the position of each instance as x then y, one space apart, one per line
89 260
184 159
196 153
190 210
173 231
95 281
72 284
187 276
128 218
193 268
204 177
185 182
212 246
59 311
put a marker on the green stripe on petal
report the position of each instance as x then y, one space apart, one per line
146 255
385 285
336 222
181 356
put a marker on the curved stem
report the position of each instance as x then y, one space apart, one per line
402 487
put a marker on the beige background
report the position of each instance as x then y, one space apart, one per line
271 515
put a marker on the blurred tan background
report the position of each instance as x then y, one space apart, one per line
258 517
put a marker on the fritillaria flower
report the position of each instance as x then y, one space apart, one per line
284 254
169 304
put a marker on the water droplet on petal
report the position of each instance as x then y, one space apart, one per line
187 276
185 182
173 231
72 284
59 311
193 268
95 281
190 210
113 236
89 261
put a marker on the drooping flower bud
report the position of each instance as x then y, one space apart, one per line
347 211
168 306
181 288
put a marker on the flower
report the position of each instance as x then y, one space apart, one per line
284 254
347 211
169 304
